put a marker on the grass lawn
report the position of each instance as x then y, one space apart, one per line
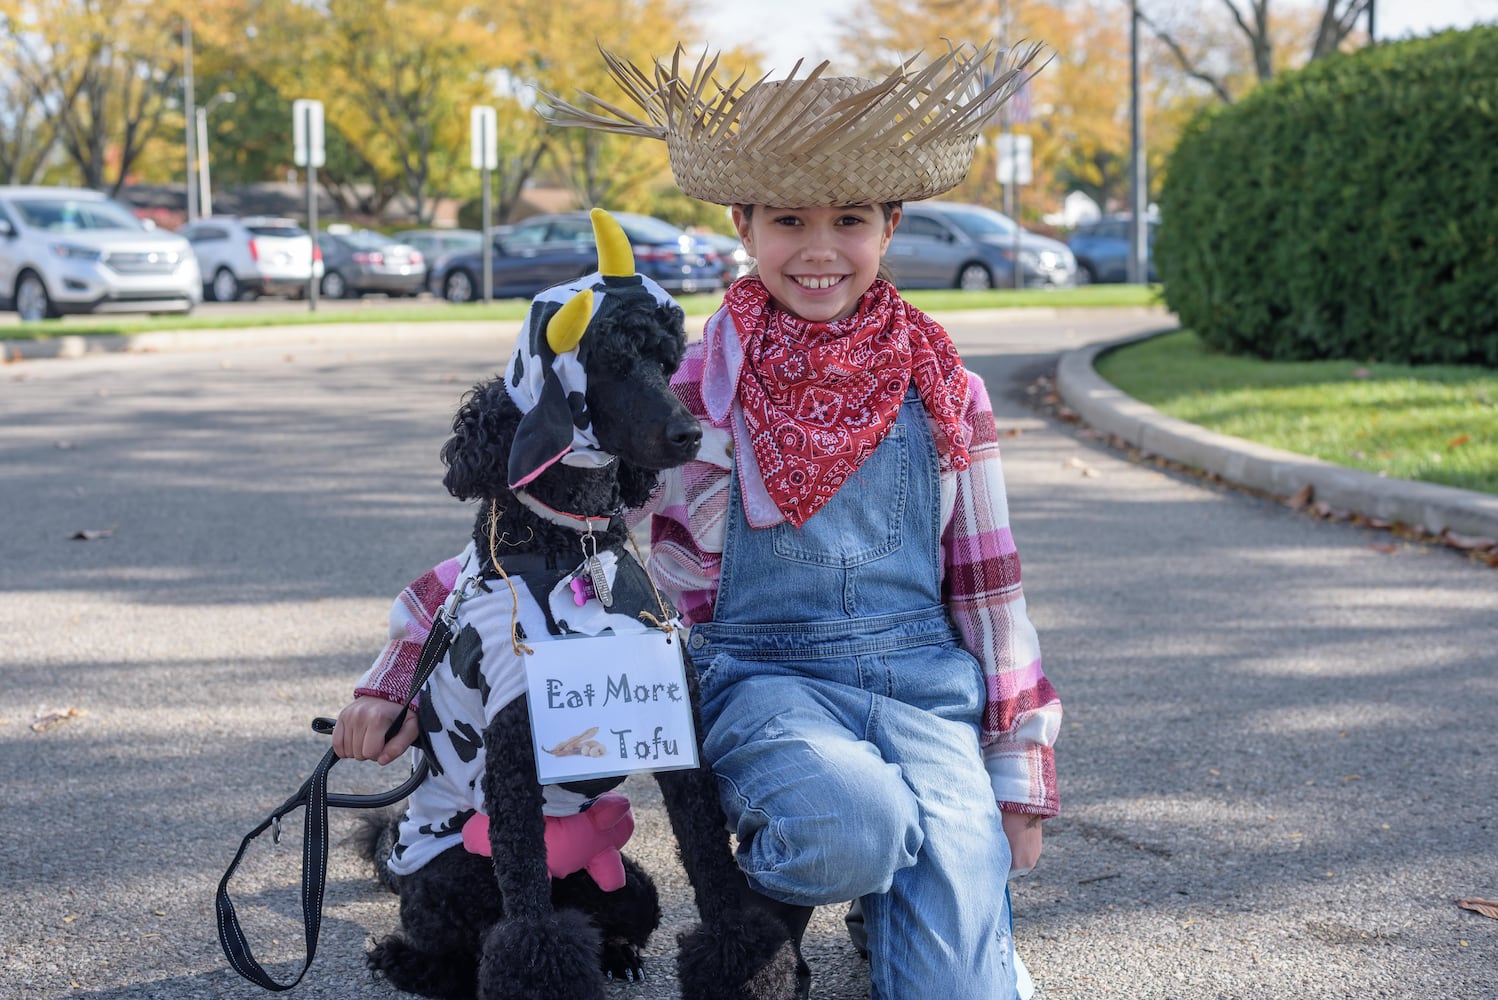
427 311
1437 424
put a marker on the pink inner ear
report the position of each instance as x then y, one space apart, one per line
543 467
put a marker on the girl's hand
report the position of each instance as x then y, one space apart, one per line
1023 832
359 733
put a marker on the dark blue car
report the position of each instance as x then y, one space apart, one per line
519 270
1102 249
681 263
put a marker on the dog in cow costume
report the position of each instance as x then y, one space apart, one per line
483 858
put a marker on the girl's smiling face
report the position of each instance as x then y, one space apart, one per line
816 262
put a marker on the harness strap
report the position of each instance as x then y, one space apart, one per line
314 796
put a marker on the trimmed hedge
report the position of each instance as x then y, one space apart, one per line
1345 210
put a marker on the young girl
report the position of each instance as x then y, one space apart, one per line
873 702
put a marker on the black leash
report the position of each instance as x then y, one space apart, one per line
315 797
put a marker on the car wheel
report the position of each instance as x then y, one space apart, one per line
225 287
334 287
32 301
1085 274
458 287
974 278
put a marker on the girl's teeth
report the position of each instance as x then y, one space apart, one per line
816 282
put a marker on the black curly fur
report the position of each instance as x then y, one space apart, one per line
502 929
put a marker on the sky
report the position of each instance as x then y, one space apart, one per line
791 29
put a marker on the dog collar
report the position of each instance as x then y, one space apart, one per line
581 523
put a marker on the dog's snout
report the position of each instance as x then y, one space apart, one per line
684 434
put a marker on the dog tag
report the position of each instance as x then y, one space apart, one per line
593 566
600 581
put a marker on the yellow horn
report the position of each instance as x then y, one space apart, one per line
615 259
567 324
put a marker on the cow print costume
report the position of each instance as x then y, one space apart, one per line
482 673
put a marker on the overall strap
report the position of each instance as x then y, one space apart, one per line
315 797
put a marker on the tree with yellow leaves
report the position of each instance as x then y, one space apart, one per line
99 76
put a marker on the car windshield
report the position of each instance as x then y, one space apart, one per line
981 222
63 215
644 229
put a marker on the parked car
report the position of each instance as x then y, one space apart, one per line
678 261
436 244
733 260
1102 249
254 255
72 250
356 261
948 244
516 272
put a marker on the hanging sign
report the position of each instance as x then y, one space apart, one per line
609 705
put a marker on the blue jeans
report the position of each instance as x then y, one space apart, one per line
845 734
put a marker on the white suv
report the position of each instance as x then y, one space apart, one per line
66 250
260 255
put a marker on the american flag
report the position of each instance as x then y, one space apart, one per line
1017 108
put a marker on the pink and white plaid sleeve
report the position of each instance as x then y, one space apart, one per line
982 582
411 617
690 510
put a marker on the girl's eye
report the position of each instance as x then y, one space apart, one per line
787 220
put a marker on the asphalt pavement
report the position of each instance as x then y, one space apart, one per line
1278 761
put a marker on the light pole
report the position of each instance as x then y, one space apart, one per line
1138 267
204 192
187 123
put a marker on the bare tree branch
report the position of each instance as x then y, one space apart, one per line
1187 64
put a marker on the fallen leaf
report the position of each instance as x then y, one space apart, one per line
1302 497
1384 547
46 720
1086 470
1013 432
1468 543
90 534
1458 441
1487 907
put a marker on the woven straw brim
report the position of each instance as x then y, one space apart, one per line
816 140
842 169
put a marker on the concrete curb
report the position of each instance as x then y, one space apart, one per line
1280 473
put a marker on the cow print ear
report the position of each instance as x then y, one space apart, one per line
517 371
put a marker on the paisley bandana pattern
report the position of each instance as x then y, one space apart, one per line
818 398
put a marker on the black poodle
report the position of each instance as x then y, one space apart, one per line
502 928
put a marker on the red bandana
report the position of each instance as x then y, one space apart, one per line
819 397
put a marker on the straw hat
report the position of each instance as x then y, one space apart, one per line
819 140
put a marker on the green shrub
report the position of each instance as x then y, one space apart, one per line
1345 210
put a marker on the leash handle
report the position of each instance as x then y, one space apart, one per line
314 796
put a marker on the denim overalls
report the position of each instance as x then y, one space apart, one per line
841 718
